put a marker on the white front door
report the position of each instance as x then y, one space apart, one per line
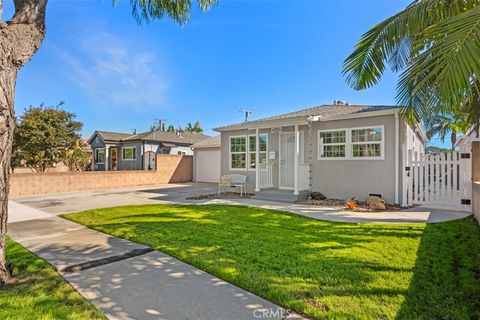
287 161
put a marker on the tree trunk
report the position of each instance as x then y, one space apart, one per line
19 40
453 139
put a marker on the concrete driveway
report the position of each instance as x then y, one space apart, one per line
177 193
85 200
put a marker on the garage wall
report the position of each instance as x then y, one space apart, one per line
206 165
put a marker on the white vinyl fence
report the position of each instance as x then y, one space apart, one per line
443 179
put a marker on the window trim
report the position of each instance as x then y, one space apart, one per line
230 153
254 152
349 144
346 144
96 155
134 153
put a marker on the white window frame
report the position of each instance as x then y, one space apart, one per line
320 144
349 144
134 153
96 155
230 153
382 143
249 153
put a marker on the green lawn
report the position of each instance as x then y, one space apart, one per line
38 292
321 269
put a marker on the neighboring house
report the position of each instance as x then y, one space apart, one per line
123 151
206 160
340 150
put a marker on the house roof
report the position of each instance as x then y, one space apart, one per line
187 138
321 111
111 136
213 142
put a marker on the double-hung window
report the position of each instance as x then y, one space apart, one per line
351 143
238 153
243 151
252 149
367 142
128 153
100 155
332 144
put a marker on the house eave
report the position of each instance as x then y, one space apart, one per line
304 120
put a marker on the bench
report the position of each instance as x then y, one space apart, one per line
233 181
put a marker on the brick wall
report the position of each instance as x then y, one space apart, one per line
476 178
170 169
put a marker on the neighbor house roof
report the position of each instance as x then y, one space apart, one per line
320 111
187 138
111 136
174 137
212 142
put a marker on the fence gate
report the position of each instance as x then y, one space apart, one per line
443 179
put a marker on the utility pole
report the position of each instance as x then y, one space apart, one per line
247 113
160 123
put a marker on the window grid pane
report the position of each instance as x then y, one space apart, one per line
367 150
238 144
239 161
333 137
333 151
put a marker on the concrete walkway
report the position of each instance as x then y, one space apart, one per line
413 215
151 285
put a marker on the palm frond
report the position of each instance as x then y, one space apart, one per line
389 40
177 10
444 71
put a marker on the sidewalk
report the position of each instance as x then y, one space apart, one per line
148 285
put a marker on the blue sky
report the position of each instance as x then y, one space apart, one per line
267 56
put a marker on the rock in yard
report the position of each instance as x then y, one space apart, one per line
375 203
318 196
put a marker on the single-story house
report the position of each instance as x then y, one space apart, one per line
206 160
340 150
123 151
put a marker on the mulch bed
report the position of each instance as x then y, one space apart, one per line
340 205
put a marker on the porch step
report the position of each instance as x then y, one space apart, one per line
280 196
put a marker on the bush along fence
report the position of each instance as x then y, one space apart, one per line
170 169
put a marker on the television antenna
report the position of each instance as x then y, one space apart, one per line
247 113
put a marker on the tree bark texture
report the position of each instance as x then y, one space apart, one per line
19 40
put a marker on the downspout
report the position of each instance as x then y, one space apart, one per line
397 146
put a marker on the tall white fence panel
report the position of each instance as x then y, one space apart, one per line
443 179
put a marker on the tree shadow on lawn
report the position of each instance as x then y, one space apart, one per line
446 276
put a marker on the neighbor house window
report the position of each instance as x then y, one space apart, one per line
332 144
100 155
252 149
128 153
238 152
367 142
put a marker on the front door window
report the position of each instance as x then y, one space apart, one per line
113 159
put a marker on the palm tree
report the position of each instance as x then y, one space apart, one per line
197 127
442 124
435 45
